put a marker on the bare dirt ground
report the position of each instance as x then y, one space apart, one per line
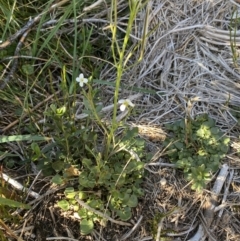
189 61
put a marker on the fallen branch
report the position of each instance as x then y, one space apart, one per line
19 186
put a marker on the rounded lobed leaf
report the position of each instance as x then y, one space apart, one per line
86 226
64 204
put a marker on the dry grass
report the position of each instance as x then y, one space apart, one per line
180 64
188 61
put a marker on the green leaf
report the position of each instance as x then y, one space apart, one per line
182 124
179 145
75 207
57 179
224 149
4 139
61 111
53 108
96 203
99 108
132 201
214 130
86 226
69 192
200 132
35 147
82 195
87 163
125 213
58 165
130 134
138 191
119 195
169 126
28 69
86 180
83 213
210 122
139 166
226 140
198 186
12 203
126 198
63 204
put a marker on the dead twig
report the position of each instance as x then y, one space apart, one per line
134 228
19 186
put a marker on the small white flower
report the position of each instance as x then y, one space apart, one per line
125 104
81 80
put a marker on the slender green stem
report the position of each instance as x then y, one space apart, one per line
93 109
119 64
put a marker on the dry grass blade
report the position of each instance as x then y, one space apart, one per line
134 228
9 231
61 238
221 37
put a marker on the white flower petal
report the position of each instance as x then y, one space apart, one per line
122 107
125 104
81 80
132 105
129 102
121 101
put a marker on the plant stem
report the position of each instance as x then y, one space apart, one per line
134 7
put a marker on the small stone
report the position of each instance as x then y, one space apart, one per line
163 181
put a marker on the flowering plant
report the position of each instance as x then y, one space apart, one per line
125 104
81 80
